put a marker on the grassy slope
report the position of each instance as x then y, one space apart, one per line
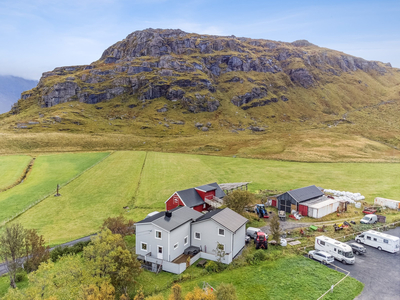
11 169
47 172
101 192
290 278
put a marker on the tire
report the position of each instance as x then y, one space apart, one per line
324 262
357 253
358 241
312 257
379 248
375 222
344 262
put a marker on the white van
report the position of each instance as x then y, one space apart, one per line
379 240
369 219
340 251
252 232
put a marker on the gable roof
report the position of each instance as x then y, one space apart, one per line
180 215
191 198
226 217
306 193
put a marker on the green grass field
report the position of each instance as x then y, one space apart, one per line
12 168
289 278
104 190
47 172
101 192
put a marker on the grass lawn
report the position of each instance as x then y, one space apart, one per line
101 192
165 173
12 168
5 284
47 172
290 278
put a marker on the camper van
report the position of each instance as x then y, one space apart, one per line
340 251
379 240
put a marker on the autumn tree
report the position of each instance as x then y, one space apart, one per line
275 228
226 292
199 294
69 278
35 250
119 225
238 200
108 256
176 293
103 292
12 243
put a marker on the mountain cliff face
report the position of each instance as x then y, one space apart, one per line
195 70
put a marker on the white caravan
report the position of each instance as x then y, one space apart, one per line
338 250
379 240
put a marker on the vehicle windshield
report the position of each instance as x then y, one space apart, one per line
349 254
366 218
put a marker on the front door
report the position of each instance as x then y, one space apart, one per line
159 252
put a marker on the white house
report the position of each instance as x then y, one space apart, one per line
162 238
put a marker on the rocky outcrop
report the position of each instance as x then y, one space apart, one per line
187 68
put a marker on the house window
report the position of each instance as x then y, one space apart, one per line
197 236
221 247
176 246
143 246
185 240
386 241
158 234
221 232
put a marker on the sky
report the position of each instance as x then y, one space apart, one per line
37 36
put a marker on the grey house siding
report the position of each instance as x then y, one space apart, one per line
146 233
177 236
209 236
238 240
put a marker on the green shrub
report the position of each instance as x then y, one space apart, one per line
260 255
59 251
212 266
21 276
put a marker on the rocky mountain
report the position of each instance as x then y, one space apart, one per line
11 88
160 82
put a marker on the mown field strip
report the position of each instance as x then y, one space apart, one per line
101 192
11 169
47 172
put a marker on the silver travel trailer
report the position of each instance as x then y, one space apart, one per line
379 240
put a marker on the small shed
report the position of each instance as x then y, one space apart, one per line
321 207
291 199
393 204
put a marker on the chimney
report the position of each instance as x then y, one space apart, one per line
168 214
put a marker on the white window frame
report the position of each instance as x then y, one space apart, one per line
219 230
176 246
187 240
158 238
196 237
141 246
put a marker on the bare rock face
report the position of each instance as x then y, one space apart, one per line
187 68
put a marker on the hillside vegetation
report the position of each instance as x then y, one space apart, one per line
246 97
12 169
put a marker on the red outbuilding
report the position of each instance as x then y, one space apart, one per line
195 197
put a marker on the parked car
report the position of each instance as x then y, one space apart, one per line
192 250
369 219
252 232
357 248
321 256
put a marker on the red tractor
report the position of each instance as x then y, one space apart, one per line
261 240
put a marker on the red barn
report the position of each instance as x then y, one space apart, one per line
195 197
